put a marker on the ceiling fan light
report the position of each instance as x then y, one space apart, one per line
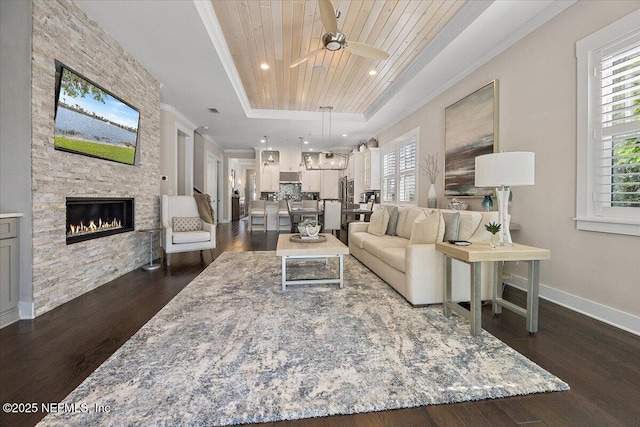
333 46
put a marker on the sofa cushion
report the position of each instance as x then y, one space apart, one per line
393 220
376 246
186 223
359 237
427 228
481 234
394 257
406 217
190 237
451 225
469 222
379 221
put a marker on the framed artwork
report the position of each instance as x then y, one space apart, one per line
471 129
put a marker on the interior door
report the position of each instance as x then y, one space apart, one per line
212 182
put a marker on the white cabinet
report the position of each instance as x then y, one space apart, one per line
269 177
9 271
330 188
311 180
289 160
269 170
371 167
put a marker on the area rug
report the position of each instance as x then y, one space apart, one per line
234 348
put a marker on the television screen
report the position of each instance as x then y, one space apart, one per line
93 122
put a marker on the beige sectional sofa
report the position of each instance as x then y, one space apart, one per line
416 270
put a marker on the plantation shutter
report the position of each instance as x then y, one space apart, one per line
407 169
617 133
389 177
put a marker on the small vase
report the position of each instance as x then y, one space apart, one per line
432 197
487 203
494 241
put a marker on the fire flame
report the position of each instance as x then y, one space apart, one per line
80 229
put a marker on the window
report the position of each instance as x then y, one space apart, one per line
389 160
609 129
399 183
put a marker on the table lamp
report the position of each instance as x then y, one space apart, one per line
504 170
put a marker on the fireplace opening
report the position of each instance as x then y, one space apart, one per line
91 217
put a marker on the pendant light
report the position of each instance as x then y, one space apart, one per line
325 160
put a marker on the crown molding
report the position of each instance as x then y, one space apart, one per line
171 109
210 21
469 13
553 9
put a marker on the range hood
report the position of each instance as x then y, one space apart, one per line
289 177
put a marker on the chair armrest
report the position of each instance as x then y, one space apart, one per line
208 227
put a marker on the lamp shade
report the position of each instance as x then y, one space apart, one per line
510 169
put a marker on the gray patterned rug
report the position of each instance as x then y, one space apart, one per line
233 348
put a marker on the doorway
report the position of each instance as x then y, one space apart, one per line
213 183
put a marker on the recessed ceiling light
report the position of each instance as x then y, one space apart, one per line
373 72
310 149
344 134
263 140
306 142
270 148
264 66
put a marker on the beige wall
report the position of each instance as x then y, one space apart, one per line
537 112
169 124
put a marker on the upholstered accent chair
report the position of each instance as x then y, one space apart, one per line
182 228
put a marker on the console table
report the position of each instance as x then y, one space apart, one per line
479 252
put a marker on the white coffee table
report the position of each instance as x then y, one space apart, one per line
288 250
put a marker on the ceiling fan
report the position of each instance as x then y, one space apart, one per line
334 40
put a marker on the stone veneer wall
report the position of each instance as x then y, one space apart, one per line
62 272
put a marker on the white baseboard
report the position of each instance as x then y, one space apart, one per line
27 310
619 319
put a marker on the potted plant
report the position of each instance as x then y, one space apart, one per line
493 228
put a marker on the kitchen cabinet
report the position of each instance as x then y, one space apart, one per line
330 188
9 269
290 160
269 177
311 180
371 169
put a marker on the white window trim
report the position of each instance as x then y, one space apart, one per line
412 135
587 217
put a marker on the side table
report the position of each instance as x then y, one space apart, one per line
151 266
479 252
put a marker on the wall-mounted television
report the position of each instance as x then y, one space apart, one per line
91 121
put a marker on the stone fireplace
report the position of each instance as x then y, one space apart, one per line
92 217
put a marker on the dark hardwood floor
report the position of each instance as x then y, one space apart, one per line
42 360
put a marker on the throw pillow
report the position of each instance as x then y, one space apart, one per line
186 223
379 222
426 228
451 225
393 220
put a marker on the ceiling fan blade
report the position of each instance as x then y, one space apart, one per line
366 50
328 16
306 57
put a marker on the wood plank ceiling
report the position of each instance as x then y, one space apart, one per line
277 32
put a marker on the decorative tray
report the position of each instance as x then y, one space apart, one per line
299 239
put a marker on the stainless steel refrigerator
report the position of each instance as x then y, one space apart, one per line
346 192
